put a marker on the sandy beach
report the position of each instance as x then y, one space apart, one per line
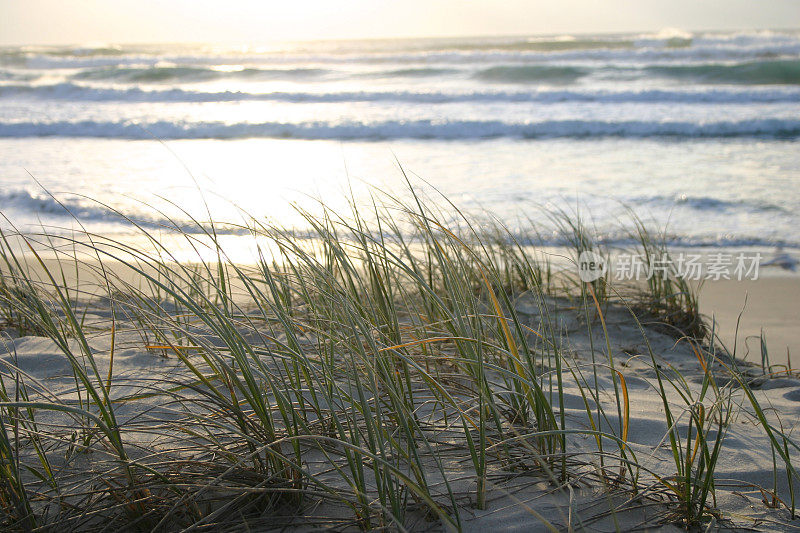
771 304
530 406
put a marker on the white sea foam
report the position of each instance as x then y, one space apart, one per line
82 93
416 129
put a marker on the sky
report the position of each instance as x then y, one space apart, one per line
253 21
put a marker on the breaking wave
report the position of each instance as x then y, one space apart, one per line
531 73
751 73
73 207
415 129
193 73
78 92
707 203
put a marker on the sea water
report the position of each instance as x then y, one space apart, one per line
699 132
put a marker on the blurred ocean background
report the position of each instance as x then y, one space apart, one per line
700 131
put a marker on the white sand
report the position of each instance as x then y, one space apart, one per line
746 460
771 304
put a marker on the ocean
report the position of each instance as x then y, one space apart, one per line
699 132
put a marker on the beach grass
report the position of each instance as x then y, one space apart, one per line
399 366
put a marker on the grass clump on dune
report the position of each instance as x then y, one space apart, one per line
380 372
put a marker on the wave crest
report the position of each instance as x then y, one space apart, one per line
192 73
756 72
78 92
531 73
417 129
84 210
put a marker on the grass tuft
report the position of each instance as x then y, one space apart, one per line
397 366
